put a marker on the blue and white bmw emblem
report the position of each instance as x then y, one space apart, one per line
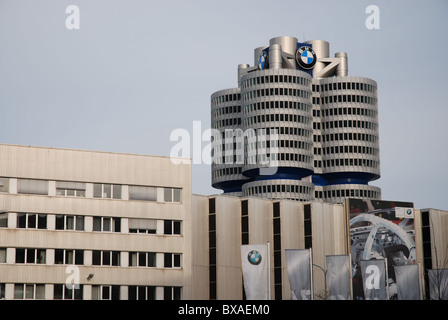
263 60
306 57
254 257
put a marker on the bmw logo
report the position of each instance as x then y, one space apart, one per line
263 60
409 212
306 57
254 257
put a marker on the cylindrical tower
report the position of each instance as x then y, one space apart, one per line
276 110
228 152
297 127
349 138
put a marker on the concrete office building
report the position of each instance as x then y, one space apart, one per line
314 123
124 226
118 226
285 224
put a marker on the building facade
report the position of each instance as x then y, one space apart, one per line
96 225
222 224
297 127
93 225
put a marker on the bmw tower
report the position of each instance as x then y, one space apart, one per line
296 127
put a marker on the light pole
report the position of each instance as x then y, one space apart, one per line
325 279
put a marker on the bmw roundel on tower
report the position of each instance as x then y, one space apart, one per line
306 57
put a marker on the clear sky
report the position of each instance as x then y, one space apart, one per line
137 70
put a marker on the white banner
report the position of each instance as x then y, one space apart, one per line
407 282
254 260
298 263
438 284
338 276
374 279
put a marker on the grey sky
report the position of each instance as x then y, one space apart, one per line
137 70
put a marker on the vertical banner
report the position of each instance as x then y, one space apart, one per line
380 230
407 282
298 264
438 284
374 279
338 276
254 260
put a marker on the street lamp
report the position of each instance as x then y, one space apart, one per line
325 278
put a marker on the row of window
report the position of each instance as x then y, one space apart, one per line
226 98
344 98
226 171
339 111
346 162
274 156
78 189
275 79
347 193
347 149
226 110
344 136
100 224
99 292
297 189
343 86
277 104
99 257
345 124
226 123
296 118
274 92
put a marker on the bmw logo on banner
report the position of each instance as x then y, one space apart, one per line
254 257
263 60
306 57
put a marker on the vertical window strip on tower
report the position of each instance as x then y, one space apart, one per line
307 226
426 241
277 252
244 231
212 247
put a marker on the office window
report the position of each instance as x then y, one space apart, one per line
29 291
141 292
70 189
4 184
31 220
2 255
105 258
66 256
172 227
67 222
28 186
105 292
142 259
106 224
148 226
62 291
172 293
107 191
26 255
4 220
2 291
172 194
172 260
142 193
